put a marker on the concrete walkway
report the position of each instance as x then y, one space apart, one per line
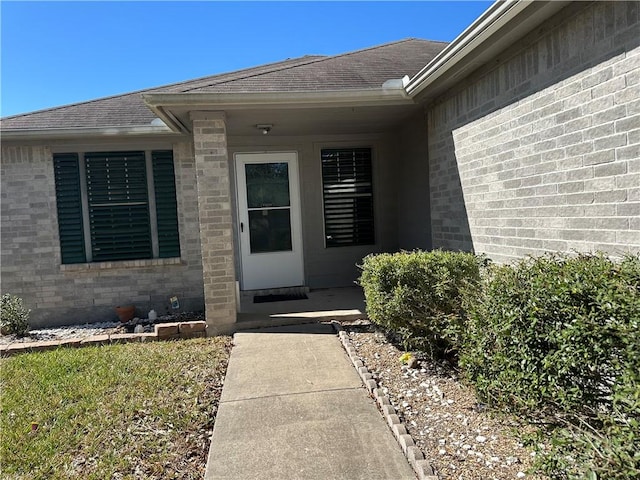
293 407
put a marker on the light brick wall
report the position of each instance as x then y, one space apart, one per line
63 294
541 151
216 231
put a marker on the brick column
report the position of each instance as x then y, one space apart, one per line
214 207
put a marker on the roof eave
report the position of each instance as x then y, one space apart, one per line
60 133
484 36
303 99
164 104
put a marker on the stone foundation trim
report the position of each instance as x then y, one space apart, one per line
167 331
414 455
152 262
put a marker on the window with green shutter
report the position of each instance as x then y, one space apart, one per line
105 201
347 189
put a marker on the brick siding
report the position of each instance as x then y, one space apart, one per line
63 294
540 149
216 232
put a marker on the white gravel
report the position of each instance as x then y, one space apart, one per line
62 333
89 329
460 438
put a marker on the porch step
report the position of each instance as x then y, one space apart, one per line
250 321
322 305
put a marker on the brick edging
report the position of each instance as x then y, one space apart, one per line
162 331
414 455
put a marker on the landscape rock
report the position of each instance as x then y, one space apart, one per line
457 434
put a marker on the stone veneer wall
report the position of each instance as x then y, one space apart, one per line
63 294
540 149
216 231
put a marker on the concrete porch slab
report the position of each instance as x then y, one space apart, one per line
345 303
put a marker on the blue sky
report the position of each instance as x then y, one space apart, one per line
55 53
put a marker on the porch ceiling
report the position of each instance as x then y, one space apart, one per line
309 121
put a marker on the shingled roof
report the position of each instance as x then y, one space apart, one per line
362 69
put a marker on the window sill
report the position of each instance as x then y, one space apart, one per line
152 262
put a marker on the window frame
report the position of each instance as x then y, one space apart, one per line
151 193
372 195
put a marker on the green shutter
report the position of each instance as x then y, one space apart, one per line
69 204
166 206
118 206
347 189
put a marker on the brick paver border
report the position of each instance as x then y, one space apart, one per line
414 455
162 331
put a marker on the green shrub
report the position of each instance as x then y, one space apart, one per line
604 447
556 339
418 296
14 317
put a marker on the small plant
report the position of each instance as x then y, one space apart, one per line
409 360
405 357
15 317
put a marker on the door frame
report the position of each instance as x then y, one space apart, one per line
296 254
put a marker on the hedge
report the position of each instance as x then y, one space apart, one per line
418 295
556 339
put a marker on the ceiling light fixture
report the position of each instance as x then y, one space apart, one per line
265 127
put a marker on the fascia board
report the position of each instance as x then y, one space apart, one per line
471 38
54 133
327 99
472 43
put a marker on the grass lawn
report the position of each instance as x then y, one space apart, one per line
137 410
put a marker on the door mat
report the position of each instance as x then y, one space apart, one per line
278 298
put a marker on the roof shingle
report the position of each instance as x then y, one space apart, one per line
362 69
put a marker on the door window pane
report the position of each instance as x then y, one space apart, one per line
267 185
270 230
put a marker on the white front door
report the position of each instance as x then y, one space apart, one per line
269 220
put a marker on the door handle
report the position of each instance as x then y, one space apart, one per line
241 227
